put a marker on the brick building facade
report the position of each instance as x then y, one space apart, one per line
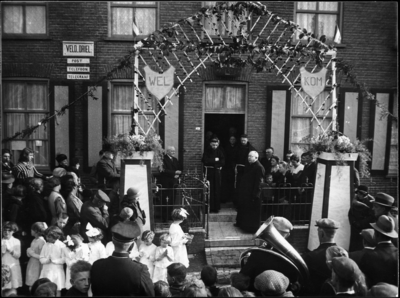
369 42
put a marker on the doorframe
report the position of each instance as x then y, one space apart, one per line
203 105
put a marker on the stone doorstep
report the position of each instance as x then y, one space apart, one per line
224 256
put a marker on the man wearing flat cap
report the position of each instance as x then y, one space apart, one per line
368 243
316 259
345 277
360 215
106 167
119 275
380 264
259 261
95 212
272 283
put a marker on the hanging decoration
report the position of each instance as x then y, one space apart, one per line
159 84
221 36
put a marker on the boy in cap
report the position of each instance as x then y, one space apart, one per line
272 283
95 212
348 279
368 243
316 259
118 275
380 264
360 215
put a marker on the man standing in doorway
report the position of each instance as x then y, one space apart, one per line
240 162
249 204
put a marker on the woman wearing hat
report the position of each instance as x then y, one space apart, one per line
213 160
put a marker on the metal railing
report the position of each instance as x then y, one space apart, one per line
195 200
293 203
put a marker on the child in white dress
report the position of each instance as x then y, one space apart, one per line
75 250
97 249
51 257
10 253
179 238
33 252
164 257
147 251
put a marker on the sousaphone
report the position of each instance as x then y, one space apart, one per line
282 252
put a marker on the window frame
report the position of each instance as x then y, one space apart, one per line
48 111
291 93
226 38
134 5
339 13
25 35
110 113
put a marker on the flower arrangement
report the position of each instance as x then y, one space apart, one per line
127 144
337 143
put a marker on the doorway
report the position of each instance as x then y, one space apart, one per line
219 124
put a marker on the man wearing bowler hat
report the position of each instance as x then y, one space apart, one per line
316 259
106 167
380 264
383 205
95 212
119 275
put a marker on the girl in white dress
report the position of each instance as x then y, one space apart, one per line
179 238
74 251
33 252
164 257
10 253
147 251
51 257
97 249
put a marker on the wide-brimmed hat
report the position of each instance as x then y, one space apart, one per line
385 225
384 199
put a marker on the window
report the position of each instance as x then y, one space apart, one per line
213 26
24 19
123 14
301 116
25 103
319 18
122 103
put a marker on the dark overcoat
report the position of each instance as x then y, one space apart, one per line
118 275
105 170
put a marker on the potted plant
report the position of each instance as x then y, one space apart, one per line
336 145
130 146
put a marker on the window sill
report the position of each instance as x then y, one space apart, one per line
25 37
130 38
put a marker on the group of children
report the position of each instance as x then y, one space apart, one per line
48 254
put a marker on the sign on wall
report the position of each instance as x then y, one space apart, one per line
313 83
78 48
159 84
78 69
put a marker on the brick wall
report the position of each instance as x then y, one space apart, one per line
368 36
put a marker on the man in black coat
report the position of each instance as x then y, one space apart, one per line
380 264
106 167
213 161
119 275
168 179
368 243
249 201
316 259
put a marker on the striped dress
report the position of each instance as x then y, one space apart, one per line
25 170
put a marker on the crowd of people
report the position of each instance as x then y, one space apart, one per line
60 238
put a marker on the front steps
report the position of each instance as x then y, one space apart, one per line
226 242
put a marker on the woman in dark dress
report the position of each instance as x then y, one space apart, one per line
213 160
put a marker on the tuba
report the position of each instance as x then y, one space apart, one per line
282 251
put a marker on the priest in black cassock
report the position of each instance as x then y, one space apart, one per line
249 201
213 160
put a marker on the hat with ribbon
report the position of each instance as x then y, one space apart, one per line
385 225
326 223
90 231
384 199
